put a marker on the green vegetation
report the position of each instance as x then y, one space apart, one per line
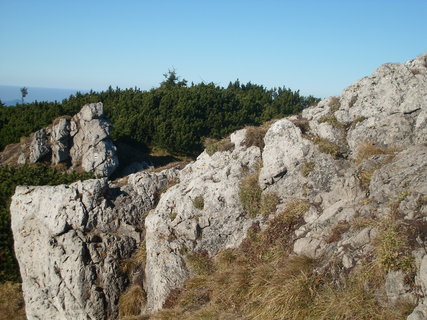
326 146
176 117
10 177
199 202
393 247
250 195
332 120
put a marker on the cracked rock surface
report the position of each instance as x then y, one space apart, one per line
83 141
70 241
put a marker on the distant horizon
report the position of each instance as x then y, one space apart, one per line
316 47
11 94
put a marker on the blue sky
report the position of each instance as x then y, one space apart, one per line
318 47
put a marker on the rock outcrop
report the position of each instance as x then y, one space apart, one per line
81 141
359 161
92 149
70 242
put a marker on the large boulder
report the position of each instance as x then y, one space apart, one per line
92 148
70 242
82 141
60 141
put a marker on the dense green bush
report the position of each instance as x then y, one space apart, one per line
10 177
175 116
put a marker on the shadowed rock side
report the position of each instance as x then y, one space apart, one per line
82 141
357 162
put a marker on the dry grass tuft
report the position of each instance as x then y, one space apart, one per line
269 202
136 262
282 291
337 232
367 150
250 195
303 124
255 136
326 146
200 263
131 301
334 104
11 301
295 209
307 168
261 280
213 145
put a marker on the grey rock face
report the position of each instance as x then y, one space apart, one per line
60 141
177 223
92 149
39 146
84 140
70 241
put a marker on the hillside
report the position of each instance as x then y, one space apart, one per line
319 215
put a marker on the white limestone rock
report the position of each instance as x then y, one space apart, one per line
60 141
176 224
70 241
92 149
39 147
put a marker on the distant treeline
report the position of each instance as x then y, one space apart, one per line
175 116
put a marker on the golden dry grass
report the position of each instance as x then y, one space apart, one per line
213 145
131 301
250 194
11 301
255 136
367 150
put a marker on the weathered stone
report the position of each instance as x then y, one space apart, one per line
92 149
39 147
176 224
60 141
70 241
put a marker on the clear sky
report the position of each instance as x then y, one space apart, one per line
319 47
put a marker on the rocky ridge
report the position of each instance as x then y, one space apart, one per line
358 161
82 142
